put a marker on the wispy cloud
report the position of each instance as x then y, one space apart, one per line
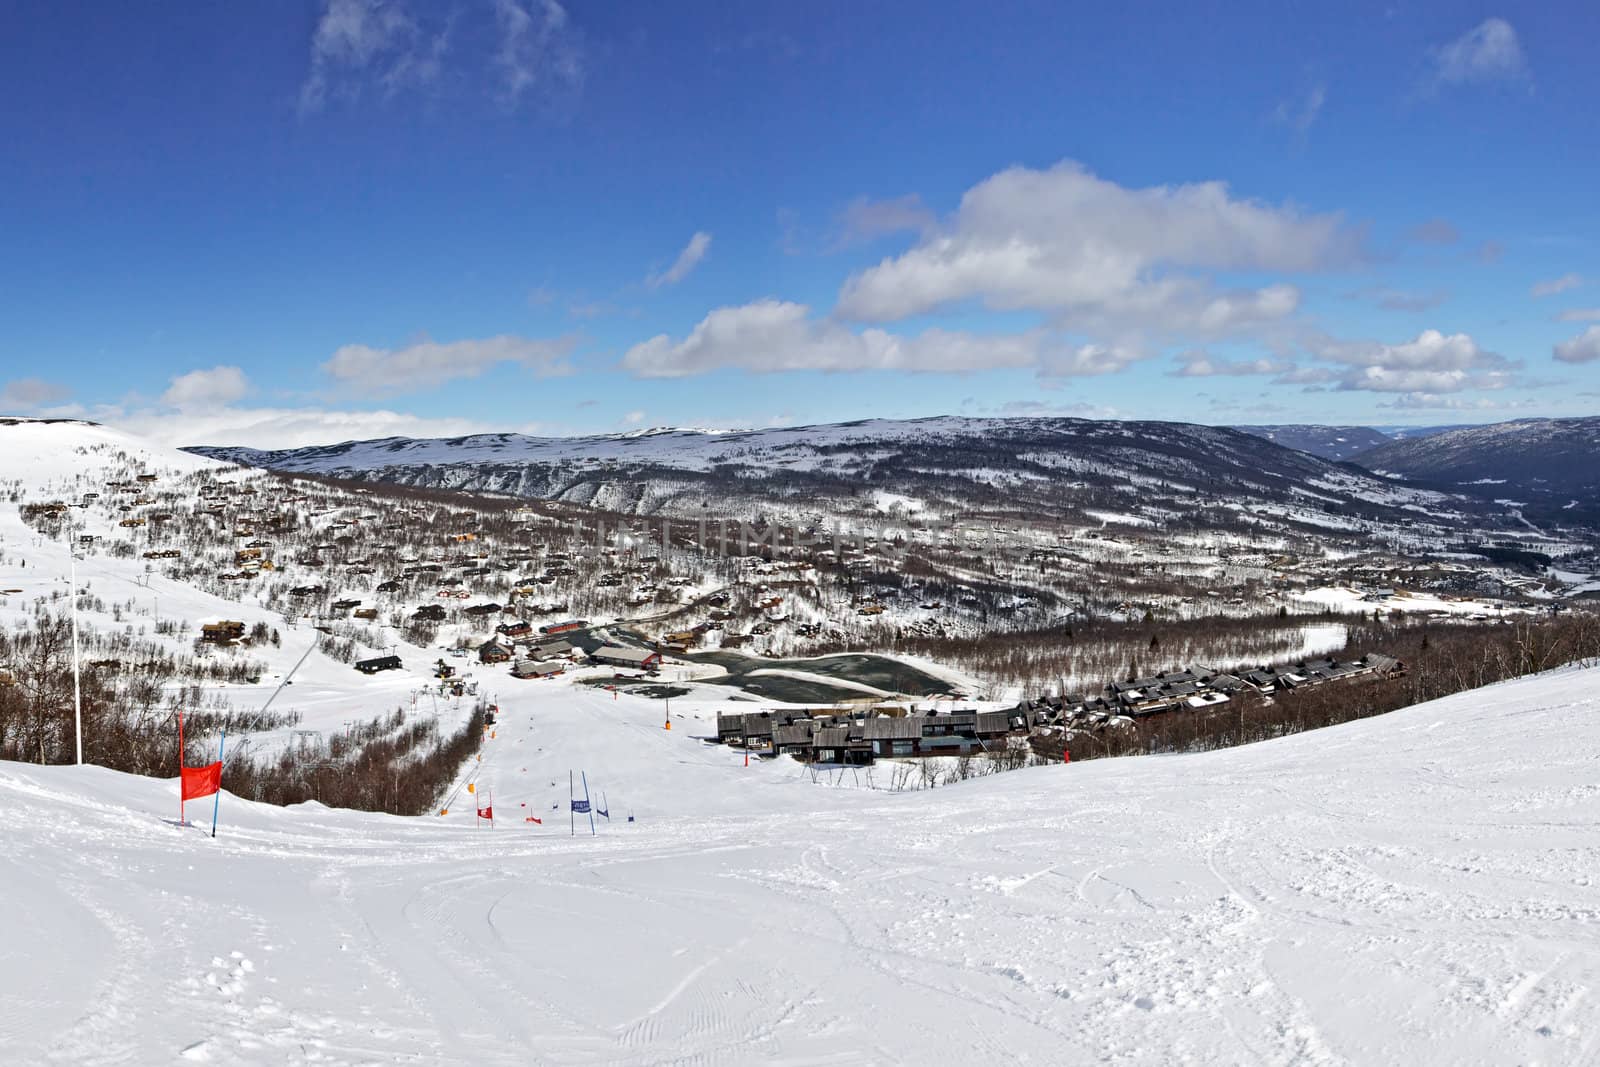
425 364
505 50
1552 286
1198 363
28 394
1300 113
864 219
1400 299
687 261
536 46
1436 402
1489 52
1050 408
1580 315
772 336
1435 232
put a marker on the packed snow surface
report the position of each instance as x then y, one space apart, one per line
1418 888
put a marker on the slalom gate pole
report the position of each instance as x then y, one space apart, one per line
181 820
572 819
588 805
216 799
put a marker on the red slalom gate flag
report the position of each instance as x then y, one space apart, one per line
530 818
486 813
202 781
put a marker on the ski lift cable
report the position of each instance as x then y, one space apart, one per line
261 714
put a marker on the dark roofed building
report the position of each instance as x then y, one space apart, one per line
380 663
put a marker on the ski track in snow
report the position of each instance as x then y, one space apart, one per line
1416 888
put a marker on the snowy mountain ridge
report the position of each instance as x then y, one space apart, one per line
1550 466
1155 471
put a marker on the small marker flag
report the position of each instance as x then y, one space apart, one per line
202 781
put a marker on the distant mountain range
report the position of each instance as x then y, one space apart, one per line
1340 443
1337 443
1079 471
1550 467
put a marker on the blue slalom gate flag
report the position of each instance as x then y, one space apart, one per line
580 806
602 812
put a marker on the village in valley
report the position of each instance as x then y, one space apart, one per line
847 660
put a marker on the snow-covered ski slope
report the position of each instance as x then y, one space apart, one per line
1418 888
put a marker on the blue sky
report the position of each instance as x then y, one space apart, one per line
282 223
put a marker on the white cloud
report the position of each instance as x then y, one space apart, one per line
27 394
633 418
1050 408
1101 257
380 371
268 427
771 335
1435 402
204 390
1552 286
385 47
1432 363
1488 52
687 260
1086 360
1580 315
1584 348
1197 363
285 427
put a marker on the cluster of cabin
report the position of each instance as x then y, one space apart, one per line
1200 687
861 737
550 657
531 653
545 652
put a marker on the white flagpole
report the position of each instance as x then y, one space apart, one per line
77 697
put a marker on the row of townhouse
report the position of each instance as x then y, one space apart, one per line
865 736
871 735
1197 687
